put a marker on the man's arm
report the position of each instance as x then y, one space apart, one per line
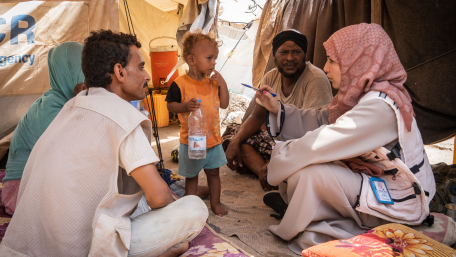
155 189
248 129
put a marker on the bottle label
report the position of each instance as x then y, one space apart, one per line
196 143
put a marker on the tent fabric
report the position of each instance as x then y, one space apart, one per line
149 23
316 19
24 76
75 19
206 18
190 12
166 5
431 85
267 29
421 31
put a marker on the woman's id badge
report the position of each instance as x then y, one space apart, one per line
381 191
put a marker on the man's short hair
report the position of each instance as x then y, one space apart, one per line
102 50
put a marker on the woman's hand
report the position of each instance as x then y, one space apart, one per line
269 102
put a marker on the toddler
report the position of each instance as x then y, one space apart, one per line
200 52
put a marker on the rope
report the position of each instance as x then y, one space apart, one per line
153 118
421 64
129 20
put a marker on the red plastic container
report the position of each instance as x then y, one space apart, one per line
163 58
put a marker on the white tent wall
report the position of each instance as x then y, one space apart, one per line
28 29
149 22
238 69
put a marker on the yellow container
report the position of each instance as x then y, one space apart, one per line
161 111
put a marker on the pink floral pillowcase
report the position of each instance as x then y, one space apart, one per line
387 240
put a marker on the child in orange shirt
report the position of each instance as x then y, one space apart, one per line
200 52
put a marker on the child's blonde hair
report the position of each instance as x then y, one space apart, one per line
191 38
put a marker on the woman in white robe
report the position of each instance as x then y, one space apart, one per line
321 191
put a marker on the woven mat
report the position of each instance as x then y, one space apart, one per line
248 217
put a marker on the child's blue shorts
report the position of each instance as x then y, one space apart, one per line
189 168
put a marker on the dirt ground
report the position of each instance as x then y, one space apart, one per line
441 152
169 138
233 182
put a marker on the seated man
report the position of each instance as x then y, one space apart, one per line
90 168
296 82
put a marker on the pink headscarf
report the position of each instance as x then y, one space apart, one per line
368 62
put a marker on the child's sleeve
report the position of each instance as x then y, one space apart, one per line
174 94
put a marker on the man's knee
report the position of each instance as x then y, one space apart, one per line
247 151
313 173
195 210
246 148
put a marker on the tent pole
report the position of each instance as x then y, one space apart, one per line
376 11
454 151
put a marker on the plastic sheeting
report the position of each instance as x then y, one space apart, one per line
238 10
238 69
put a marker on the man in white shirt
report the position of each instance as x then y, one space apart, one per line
87 173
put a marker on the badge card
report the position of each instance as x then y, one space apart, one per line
381 191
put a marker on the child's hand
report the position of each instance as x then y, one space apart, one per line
217 77
192 105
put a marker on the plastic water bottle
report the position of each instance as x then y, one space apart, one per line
143 111
197 134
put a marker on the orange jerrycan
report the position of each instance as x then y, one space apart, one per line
161 111
163 57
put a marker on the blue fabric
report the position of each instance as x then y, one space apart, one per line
65 72
189 168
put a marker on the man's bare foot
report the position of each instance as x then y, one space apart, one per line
202 192
264 180
174 252
218 209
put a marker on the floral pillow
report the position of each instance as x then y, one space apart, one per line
387 240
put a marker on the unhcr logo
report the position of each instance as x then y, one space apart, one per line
8 60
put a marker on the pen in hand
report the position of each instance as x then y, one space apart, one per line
245 85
